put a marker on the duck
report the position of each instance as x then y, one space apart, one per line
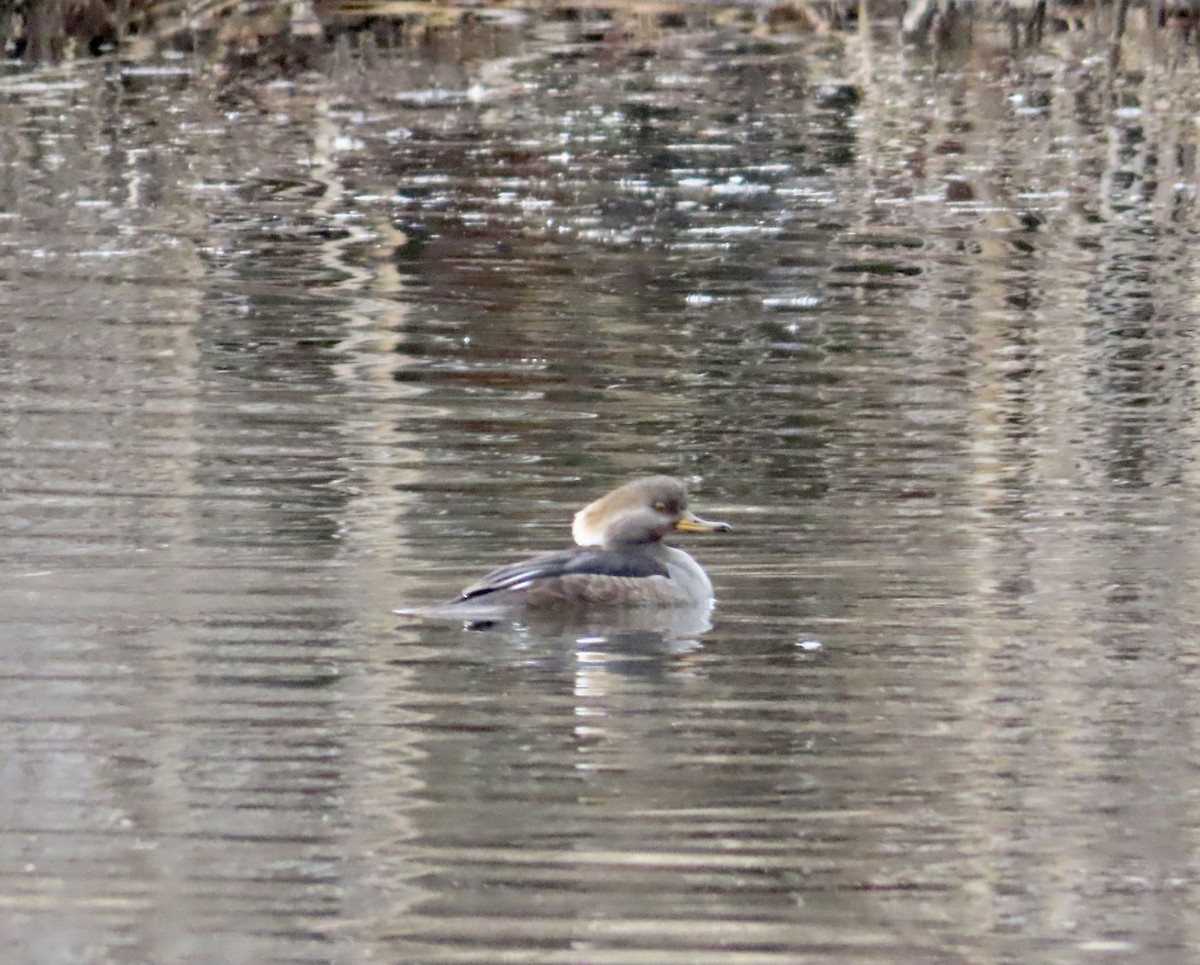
619 558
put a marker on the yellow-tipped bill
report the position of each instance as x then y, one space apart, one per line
691 523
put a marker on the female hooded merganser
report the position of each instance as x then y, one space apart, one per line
619 560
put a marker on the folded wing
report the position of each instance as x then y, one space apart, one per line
572 562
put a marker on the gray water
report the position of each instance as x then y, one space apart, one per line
282 354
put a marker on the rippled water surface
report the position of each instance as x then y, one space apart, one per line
281 354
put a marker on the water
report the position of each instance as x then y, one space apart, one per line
281 355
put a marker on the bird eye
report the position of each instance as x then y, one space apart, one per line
660 507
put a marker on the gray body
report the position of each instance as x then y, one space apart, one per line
621 559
